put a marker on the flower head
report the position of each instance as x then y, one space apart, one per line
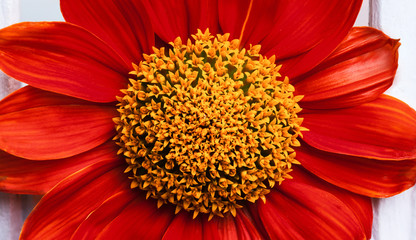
203 119
208 126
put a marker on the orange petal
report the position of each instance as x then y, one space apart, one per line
305 208
22 176
103 215
31 97
141 219
63 58
307 31
53 132
369 177
381 129
65 207
123 25
358 71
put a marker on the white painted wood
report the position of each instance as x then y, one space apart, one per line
13 208
395 218
363 15
10 205
9 12
40 10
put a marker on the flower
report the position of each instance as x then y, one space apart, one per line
267 122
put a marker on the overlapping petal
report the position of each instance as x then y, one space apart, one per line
30 97
305 32
141 219
358 71
203 14
360 205
169 18
249 20
121 24
22 176
64 208
369 177
58 131
184 227
239 227
63 58
307 208
382 129
103 215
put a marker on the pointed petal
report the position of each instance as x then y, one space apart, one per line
65 207
169 18
381 129
63 58
303 209
141 219
123 25
183 227
369 177
358 71
53 132
22 176
103 215
306 32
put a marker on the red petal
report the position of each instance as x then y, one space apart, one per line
30 97
219 228
103 215
361 68
369 177
306 32
21 176
360 205
245 227
169 18
53 132
121 24
141 219
229 227
63 209
183 227
202 14
63 58
303 209
248 20
381 129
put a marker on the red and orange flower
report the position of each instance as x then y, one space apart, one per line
203 120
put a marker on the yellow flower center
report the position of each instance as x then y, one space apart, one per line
206 125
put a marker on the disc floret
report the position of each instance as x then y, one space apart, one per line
207 125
